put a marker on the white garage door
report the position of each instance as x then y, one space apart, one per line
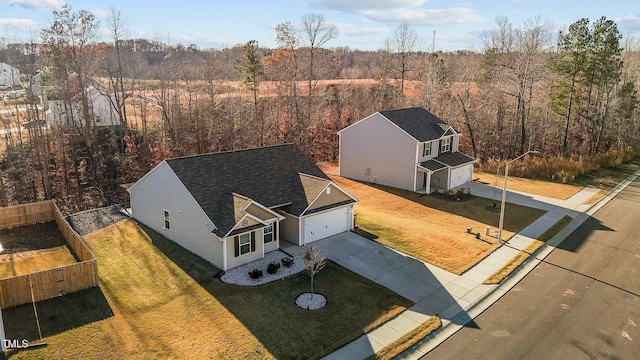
325 224
460 176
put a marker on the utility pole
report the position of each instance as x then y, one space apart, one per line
433 43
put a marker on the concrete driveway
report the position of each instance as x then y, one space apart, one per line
405 275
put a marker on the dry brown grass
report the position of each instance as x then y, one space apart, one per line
545 188
428 228
15 264
599 195
164 302
409 339
523 255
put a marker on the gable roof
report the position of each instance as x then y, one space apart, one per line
270 176
418 122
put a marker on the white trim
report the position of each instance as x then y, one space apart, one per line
322 192
387 119
246 215
181 183
251 201
224 254
240 244
340 152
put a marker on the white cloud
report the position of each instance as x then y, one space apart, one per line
394 11
101 13
35 4
359 6
22 25
630 22
426 17
348 29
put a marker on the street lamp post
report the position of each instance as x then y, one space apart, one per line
504 191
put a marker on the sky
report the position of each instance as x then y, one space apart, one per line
361 24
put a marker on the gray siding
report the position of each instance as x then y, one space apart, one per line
233 261
289 229
190 227
376 144
335 196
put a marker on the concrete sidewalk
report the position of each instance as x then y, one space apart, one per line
456 299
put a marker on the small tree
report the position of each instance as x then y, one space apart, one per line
314 260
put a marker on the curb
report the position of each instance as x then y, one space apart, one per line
426 345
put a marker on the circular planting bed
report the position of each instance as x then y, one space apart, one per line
309 301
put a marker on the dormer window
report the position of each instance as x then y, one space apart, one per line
426 149
445 145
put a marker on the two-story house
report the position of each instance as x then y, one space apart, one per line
410 149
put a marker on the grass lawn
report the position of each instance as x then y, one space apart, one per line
538 187
164 302
16 264
523 255
430 228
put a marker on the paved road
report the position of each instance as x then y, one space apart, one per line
581 302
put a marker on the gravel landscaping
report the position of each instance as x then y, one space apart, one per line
240 275
309 301
90 221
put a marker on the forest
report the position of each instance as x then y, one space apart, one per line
569 95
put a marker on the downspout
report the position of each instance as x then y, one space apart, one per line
224 254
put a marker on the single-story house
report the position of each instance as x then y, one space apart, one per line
231 208
410 149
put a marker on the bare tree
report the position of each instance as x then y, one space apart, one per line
403 43
316 34
314 261
114 66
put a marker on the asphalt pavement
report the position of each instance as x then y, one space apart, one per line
582 301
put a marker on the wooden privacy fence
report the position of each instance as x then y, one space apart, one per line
47 284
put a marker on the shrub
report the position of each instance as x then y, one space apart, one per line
460 194
255 274
273 268
448 193
287 262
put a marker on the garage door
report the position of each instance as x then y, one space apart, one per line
460 176
325 224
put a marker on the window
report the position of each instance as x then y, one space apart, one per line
445 145
167 220
426 151
245 244
268 234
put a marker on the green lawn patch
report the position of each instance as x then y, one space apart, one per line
523 255
168 303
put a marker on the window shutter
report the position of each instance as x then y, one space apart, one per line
253 241
236 245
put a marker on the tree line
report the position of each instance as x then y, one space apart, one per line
570 97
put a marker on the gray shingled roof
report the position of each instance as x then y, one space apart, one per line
454 159
417 122
432 165
268 175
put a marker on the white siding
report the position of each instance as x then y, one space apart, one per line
461 175
376 144
161 190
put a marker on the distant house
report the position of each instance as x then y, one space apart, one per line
9 75
410 149
231 208
101 107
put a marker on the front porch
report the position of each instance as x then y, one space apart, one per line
431 179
